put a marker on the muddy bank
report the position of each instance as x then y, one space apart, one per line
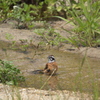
17 35
88 51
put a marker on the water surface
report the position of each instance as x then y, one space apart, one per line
69 75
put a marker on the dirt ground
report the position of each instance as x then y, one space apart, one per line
10 93
33 94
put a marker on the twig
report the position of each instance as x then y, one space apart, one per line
48 79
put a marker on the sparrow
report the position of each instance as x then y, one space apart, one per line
51 67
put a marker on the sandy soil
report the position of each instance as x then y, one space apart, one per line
11 93
6 92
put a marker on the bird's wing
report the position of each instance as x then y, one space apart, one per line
46 67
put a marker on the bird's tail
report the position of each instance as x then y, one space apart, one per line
38 72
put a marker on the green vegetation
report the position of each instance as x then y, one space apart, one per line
23 16
50 37
9 74
84 14
5 8
86 23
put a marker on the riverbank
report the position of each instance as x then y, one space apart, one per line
14 93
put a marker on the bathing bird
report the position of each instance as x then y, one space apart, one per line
51 67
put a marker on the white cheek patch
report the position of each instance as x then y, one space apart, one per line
51 60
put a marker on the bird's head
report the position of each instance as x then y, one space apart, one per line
51 59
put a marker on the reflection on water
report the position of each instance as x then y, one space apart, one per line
68 76
52 83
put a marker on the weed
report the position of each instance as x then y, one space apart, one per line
5 9
50 37
87 32
9 74
9 36
23 16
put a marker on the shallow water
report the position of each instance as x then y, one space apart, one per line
69 75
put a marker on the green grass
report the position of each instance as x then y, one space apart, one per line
86 22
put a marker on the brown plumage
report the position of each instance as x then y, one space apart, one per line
51 67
